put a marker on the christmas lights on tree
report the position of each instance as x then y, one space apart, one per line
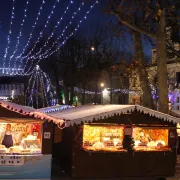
40 91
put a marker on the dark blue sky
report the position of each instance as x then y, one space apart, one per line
96 14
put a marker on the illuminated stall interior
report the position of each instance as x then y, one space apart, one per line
104 137
108 137
150 139
20 138
21 129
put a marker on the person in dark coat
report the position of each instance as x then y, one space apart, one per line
8 137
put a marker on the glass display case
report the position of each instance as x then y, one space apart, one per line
104 137
150 139
20 138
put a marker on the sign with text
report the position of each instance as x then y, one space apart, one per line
11 160
47 135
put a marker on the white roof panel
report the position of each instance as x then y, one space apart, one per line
91 112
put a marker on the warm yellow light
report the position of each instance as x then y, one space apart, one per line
92 48
105 137
102 84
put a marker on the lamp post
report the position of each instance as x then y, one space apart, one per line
76 100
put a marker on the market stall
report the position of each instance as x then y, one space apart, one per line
117 141
25 142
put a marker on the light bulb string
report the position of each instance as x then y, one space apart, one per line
72 33
58 23
32 31
56 42
75 29
20 33
70 22
9 36
41 33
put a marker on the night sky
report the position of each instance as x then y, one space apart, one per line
96 15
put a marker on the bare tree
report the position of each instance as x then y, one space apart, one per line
148 18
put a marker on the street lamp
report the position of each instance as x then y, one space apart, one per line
92 48
76 100
102 84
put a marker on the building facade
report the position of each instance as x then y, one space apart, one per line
173 68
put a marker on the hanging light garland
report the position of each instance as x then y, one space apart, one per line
31 34
41 33
9 37
58 23
52 34
20 33
48 53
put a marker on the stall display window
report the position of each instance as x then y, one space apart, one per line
20 138
103 137
150 139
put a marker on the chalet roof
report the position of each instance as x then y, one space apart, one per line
88 113
175 113
28 111
52 109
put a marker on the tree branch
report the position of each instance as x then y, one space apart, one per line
121 4
125 19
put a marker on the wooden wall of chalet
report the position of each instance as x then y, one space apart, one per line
135 118
82 164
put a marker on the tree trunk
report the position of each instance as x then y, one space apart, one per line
96 89
162 76
66 94
58 89
143 75
83 95
71 95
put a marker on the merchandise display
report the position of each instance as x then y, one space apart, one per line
18 138
103 137
150 139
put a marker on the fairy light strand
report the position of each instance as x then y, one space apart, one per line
29 82
44 56
41 33
9 36
32 31
44 89
33 84
58 23
37 83
52 34
37 90
20 33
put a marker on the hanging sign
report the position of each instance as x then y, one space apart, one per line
128 130
11 160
